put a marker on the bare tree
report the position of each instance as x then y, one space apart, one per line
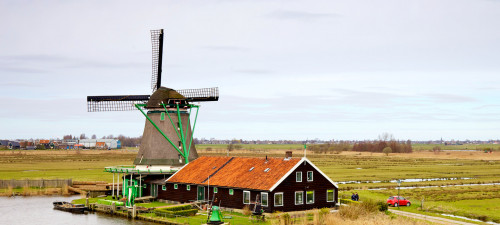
82 136
67 137
386 137
94 136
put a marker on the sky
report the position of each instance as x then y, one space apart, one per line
295 70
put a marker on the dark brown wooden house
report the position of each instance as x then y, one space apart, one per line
279 184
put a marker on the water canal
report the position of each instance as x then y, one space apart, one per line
39 210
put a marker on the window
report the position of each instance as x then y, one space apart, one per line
298 176
246 197
231 192
263 199
310 197
188 187
309 175
163 187
299 197
176 186
330 196
215 190
145 186
278 199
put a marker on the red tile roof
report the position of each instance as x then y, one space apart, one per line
235 172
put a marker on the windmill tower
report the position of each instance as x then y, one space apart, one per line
168 136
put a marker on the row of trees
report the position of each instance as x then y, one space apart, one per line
333 147
380 145
83 136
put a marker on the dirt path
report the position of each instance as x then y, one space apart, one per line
433 219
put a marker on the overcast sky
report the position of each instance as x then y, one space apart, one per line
286 69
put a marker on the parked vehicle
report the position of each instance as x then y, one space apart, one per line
398 201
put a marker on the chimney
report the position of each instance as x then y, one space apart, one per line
288 155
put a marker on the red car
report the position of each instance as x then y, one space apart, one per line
393 200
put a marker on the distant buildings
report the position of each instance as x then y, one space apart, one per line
101 143
61 144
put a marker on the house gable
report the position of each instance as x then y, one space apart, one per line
292 172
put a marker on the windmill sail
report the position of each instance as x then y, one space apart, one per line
200 94
115 102
157 44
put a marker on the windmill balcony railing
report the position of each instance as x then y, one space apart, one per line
134 170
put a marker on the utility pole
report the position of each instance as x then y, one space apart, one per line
399 185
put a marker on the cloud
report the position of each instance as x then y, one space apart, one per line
253 71
47 63
301 15
449 98
225 48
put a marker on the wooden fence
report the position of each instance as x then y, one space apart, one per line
35 183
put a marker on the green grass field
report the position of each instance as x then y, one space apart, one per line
472 201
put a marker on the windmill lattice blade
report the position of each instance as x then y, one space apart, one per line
157 45
115 103
200 94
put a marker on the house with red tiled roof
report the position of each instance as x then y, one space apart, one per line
278 184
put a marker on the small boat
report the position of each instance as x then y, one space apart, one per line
68 207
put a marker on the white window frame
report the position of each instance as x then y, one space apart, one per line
188 187
163 187
282 199
176 186
307 202
312 177
298 175
231 191
249 197
295 198
262 197
333 193
216 190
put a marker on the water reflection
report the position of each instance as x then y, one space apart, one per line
39 210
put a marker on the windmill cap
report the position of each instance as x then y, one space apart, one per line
162 95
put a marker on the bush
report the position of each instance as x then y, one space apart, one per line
246 210
167 213
348 201
174 208
382 206
286 218
387 150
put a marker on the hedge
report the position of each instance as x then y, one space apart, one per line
109 202
174 208
348 201
187 212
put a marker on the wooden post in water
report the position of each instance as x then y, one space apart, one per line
113 187
117 187
134 209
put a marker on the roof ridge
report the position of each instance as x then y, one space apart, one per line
223 165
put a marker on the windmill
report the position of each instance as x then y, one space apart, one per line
168 136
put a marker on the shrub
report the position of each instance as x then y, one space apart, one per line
322 213
387 150
286 218
382 206
348 201
178 211
246 210
175 208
